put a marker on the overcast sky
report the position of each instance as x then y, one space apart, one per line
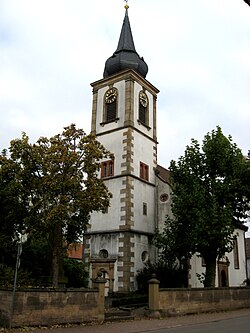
197 51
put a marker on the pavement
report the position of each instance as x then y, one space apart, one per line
139 324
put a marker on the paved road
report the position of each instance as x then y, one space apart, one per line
235 325
229 322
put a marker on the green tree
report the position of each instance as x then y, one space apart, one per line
36 247
60 178
12 210
170 276
210 199
76 273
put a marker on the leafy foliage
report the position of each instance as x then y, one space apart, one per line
210 199
54 184
12 210
7 277
76 273
34 248
173 276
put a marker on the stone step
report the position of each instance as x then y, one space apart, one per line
118 315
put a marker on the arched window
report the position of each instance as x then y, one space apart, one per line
236 255
110 111
143 108
103 254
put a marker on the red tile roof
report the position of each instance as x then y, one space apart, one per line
75 251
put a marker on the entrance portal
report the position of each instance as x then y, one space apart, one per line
223 274
106 267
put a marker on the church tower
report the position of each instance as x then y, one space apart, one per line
124 121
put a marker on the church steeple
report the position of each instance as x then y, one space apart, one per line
126 42
124 121
125 56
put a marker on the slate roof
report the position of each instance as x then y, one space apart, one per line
126 42
125 56
163 174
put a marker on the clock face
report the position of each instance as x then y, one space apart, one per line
143 99
111 95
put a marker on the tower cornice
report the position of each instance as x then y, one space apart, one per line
122 128
127 74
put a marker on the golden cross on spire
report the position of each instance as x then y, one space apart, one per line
126 6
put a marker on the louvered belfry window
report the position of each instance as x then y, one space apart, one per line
111 111
142 113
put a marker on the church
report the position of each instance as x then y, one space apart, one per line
124 120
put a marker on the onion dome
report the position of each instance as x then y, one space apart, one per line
125 56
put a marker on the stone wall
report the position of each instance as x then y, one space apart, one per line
187 301
49 307
196 300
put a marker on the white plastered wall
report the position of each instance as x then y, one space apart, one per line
145 130
141 245
163 207
120 111
236 277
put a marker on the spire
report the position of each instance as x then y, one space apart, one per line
126 41
125 56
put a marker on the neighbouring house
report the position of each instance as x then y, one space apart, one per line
75 251
124 119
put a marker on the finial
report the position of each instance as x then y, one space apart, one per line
126 6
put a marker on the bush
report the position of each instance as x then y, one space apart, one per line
76 273
169 277
7 277
36 257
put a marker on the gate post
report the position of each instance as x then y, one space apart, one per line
100 283
153 297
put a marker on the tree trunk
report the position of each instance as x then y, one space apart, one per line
210 271
56 255
55 269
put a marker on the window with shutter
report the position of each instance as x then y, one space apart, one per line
144 171
107 169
